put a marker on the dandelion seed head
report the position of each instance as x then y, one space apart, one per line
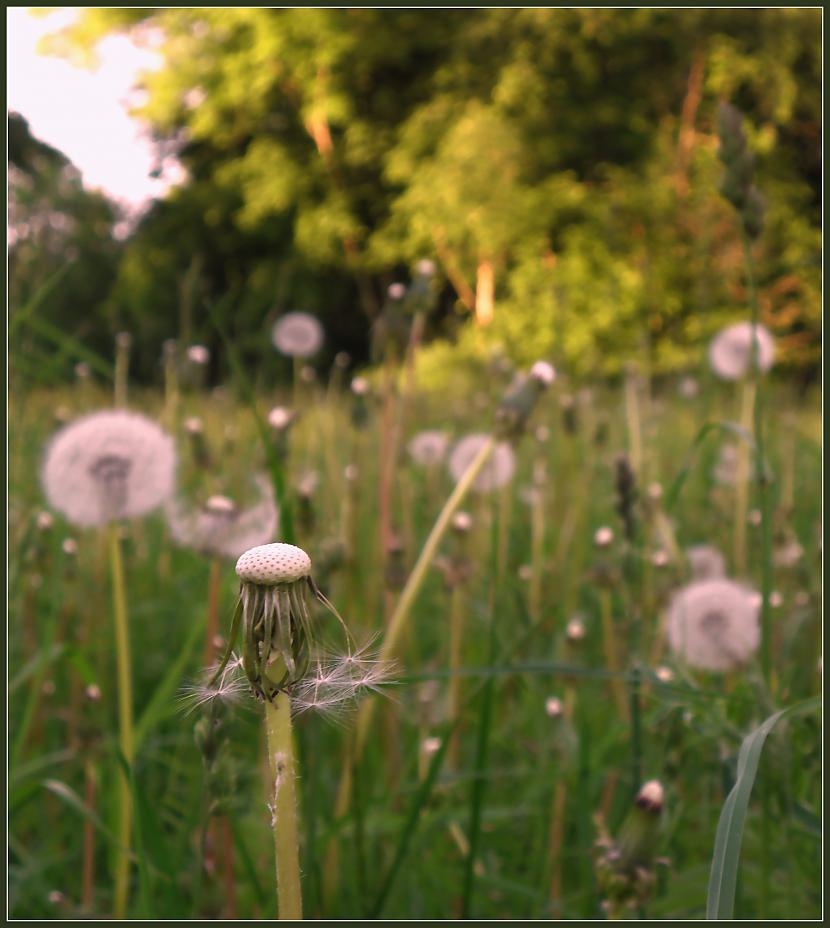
271 564
754 517
664 674
69 547
660 558
497 471
650 796
705 562
219 527
713 624
462 522
198 354
575 630
428 448
298 335
431 746
425 268
44 521
543 372
108 465
193 425
93 692
731 350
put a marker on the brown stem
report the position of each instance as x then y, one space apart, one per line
227 859
212 626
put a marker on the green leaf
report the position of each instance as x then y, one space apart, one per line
725 859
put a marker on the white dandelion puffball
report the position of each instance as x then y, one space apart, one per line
705 562
198 354
396 291
731 351
298 335
425 267
220 528
713 624
268 565
543 372
108 465
498 469
604 536
553 707
428 448
280 418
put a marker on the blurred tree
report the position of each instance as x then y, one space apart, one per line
559 164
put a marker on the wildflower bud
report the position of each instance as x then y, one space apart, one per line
431 746
45 521
664 674
660 558
342 360
462 522
123 340
93 692
351 473
553 707
198 354
56 897
193 425
360 386
308 374
69 547
655 491
518 404
626 495
425 268
280 418
775 599
396 291
754 517
575 631
83 370
603 537
638 835
650 797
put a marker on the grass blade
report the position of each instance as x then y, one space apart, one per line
726 856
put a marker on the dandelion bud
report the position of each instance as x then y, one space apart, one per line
280 418
124 341
396 291
543 372
425 268
360 386
520 400
93 692
776 600
462 522
664 674
660 558
69 547
342 360
308 374
431 746
193 425
575 630
45 521
553 707
603 537
650 796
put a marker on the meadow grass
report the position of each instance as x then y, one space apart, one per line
467 838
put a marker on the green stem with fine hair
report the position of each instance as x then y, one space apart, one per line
125 721
282 765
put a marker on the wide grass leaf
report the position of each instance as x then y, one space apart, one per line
726 857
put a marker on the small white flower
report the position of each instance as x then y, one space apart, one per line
731 351
108 465
428 448
497 471
69 547
713 624
298 335
45 521
280 418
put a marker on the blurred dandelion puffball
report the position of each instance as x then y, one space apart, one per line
396 291
269 565
198 354
603 536
108 465
731 351
428 448
298 335
713 624
220 528
498 469
706 562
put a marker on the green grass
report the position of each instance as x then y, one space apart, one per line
398 857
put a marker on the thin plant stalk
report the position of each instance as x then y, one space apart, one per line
125 720
122 364
632 418
397 623
282 766
505 507
457 615
88 878
537 552
742 479
557 823
212 625
609 643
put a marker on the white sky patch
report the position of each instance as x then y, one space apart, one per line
84 113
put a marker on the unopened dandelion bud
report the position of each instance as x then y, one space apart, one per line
517 405
553 707
396 291
638 835
603 537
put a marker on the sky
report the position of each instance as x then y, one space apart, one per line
83 113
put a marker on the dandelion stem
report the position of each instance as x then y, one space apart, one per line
88 880
454 694
609 641
284 806
742 478
125 720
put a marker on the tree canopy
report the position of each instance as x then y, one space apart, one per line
559 166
